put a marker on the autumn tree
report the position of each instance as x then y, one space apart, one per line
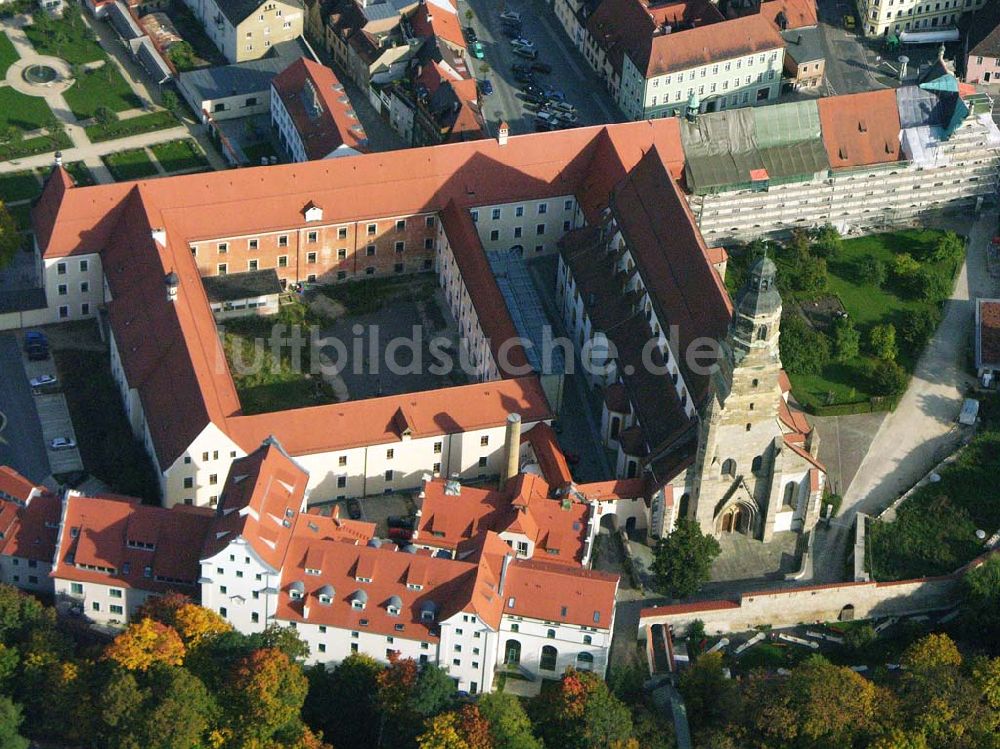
145 643
683 560
465 728
264 697
409 693
193 623
710 697
509 725
581 713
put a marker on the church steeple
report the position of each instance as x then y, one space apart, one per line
758 311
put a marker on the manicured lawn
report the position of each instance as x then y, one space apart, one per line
19 186
103 87
80 173
34 146
144 123
22 111
8 55
108 449
73 42
868 305
127 165
179 155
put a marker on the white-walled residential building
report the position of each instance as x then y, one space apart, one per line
311 114
29 523
658 59
247 29
882 17
112 554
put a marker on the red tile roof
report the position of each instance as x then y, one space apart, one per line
615 489
550 457
558 528
439 18
860 129
123 542
29 522
551 592
704 45
319 107
799 14
15 486
260 502
688 608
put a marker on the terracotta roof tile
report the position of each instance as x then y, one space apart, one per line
860 129
550 592
550 457
989 332
799 14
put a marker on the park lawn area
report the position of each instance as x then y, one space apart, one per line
179 155
77 46
143 123
19 186
35 146
8 55
127 165
104 87
934 531
81 175
867 305
22 111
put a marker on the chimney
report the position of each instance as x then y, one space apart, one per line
502 133
512 448
171 280
503 572
160 236
336 513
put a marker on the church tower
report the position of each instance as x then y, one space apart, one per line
735 481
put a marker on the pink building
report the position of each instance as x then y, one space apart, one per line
983 62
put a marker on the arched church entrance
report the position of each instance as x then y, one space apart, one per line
736 518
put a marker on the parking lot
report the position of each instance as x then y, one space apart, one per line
21 443
376 509
570 72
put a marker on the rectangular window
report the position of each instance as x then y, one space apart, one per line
437 448
61 269
519 211
76 589
430 222
222 269
370 250
342 460
496 214
543 208
84 266
372 228
342 253
388 475
342 232
484 440
85 287
213 479
253 244
63 289
116 609
252 264
311 258
401 224
475 216
341 482
540 229
400 246
390 454
282 261
63 312
223 247
482 462
494 235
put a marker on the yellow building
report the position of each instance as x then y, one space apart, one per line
247 29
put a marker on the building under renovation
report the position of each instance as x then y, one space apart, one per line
860 162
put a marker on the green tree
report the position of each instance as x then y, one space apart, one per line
581 713
917 327
811 276
683 559
11 718
117 708
882 341
179 712
930 285
827 242
105 116
170 101
510 726
711 698
872 271
182 55
904 266
342 703
20 614
888 378
264 697
846 340
803 350
981 604
950 247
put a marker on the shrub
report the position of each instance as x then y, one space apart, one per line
826 242
105 116
846 340
888 378
917 327
882 342
873 271
803 350
929 285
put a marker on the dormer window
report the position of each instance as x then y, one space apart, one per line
325 595
394 606
312 571
359 599
414 586
296 591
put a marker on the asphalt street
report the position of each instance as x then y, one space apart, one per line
21 443
570 72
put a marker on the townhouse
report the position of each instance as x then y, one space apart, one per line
659 59
311 114
29 519
982 45
247 29
883 17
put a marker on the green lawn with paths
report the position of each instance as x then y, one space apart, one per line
80 173
867 305
70 41
22 111
143 123
17 186
8 55
179 155
129 165
102 87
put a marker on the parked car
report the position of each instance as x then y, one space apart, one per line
477 50
486 87
63 443
45 379
523 77
400 534
401 521
35 337
354 509
510 15
541 67
547 117
536 99
553 93
528 54
470 34
520 41
562 106
534 90
543 125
